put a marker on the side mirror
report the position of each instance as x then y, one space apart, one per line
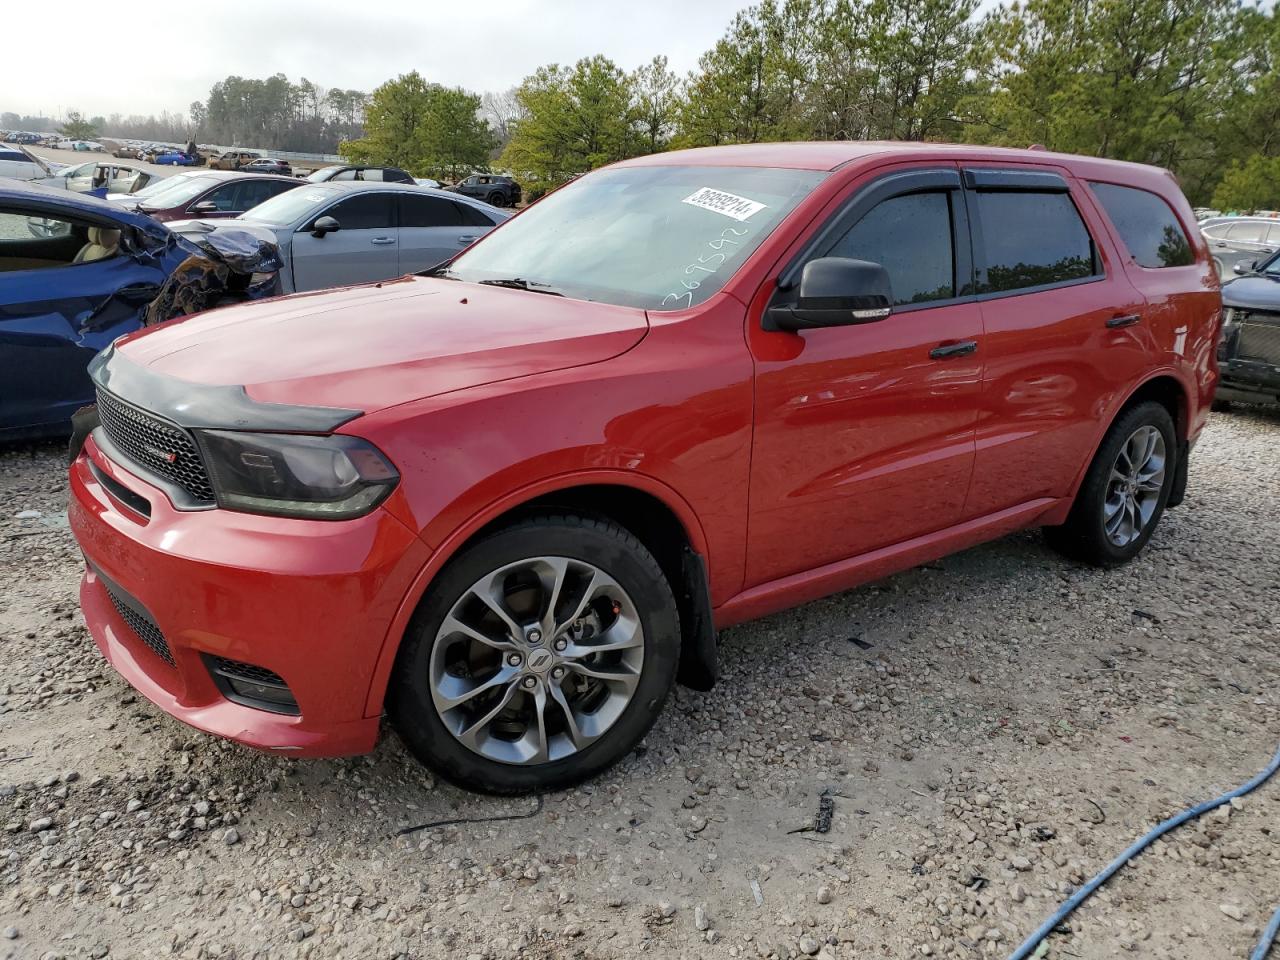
1241 267
325 225
835 292
205 206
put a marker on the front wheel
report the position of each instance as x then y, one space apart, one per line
541 655
1125 491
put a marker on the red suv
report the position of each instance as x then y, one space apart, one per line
510 503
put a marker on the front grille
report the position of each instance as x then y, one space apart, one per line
141 624
1259 341
246 671
161 447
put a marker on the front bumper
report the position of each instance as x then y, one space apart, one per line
311 601
1249 381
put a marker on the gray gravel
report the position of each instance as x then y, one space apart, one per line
1013 722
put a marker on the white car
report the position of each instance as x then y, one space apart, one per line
101 179
16 162
427 182
81 145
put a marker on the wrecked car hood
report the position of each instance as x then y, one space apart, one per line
1253 293
377 345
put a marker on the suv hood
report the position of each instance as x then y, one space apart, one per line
370 347
1252 292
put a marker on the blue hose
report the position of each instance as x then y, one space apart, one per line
1268 938
1085 892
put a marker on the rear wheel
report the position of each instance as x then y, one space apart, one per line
541 656
495 199
1125 491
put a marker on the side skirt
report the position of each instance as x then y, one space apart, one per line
832 578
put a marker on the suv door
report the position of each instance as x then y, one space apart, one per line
362 250
1065 331
864 435
432 230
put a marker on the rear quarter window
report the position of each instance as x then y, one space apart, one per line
1146 224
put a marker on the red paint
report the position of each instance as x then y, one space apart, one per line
797 464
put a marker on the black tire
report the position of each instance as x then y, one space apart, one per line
595 541
1083 536
496 200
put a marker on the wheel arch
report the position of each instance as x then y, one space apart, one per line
650 510
1165 388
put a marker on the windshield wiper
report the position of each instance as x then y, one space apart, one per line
519 283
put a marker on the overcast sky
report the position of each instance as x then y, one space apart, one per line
161 56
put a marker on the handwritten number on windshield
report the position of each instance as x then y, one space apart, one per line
707 263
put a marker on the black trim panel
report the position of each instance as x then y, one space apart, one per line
207 406
1039 181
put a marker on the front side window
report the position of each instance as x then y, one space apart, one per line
1249 232
1031 239
36 241
364 211
657 237
910 236
1146 224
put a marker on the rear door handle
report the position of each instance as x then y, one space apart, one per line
1128 320
383 241
948 350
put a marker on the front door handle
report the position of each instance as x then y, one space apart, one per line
1128 320
465 240
949 350
382 241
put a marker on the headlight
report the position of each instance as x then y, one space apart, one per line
288 475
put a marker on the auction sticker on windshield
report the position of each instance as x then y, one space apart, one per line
729 204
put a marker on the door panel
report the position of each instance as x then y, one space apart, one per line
1053 365
431 231
862 438
361 251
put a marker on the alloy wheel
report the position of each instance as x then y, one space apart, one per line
536 660
1133 491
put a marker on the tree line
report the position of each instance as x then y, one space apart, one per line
1191 85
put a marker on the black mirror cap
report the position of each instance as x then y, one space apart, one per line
325 225
1241 267
835 292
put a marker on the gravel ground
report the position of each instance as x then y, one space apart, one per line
992 729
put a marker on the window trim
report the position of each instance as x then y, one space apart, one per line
975 228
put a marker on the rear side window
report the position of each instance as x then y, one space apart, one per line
473 217
1031 239
428 212
1148 227
910 236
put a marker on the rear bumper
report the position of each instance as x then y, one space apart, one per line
311 601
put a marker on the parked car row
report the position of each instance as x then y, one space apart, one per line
1237 240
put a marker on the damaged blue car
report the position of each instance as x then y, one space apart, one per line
75 273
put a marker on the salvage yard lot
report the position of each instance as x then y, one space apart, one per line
994 728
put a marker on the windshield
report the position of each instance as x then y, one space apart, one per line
660 237
162 186
1271 267
287 207
178 194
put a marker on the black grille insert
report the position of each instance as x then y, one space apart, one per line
251 685
163 448
139 622
1260 341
